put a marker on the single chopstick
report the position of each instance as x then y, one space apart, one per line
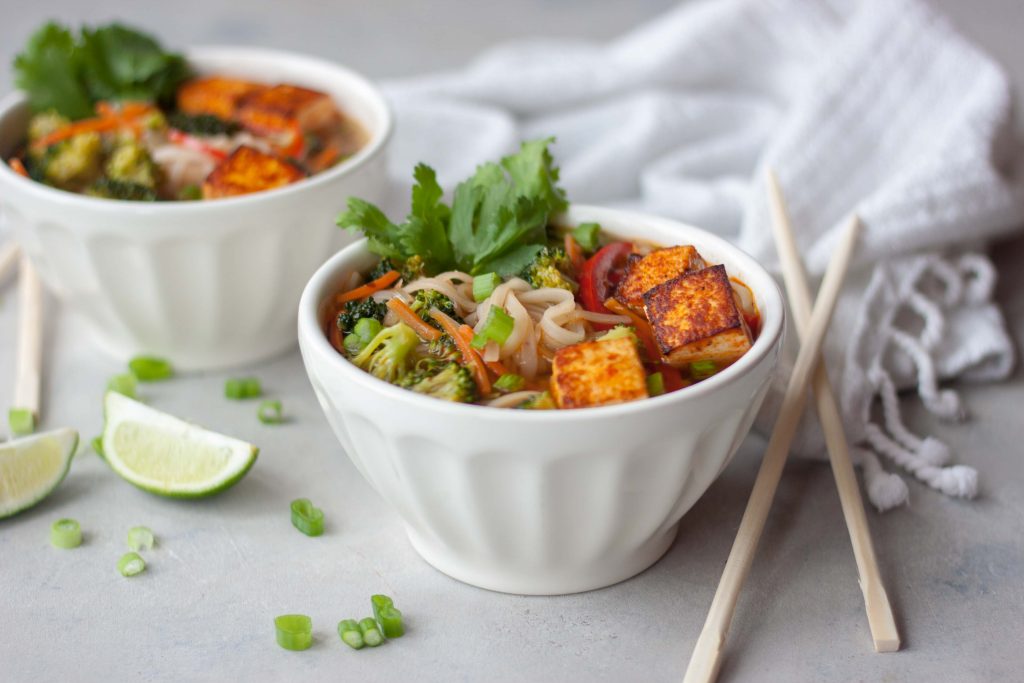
707 654
9 254
30 338
876 602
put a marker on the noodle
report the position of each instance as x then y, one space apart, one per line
513 399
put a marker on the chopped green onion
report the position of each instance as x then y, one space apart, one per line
124 383
389 618
190 193
703 369
497 328
509 382
586 235
131 564
269 413
655 384
294 631
22 421
307 518
65 533
150 368
242 387
348 630
140 538
371 634
483 285
366 329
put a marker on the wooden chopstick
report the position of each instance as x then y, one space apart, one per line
707 654
9 254
880 619
30 338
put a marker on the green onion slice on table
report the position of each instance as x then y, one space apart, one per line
66 533
389 618
150 368
131 564
22 421
351 634
269 413
240 388
371 634
140 538
125 383
294 631
307 518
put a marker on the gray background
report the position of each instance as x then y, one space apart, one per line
225 566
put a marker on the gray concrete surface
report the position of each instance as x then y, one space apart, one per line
225 566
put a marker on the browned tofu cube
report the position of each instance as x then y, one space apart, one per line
214 95
661 265
312 109
597 373
695 317
249 170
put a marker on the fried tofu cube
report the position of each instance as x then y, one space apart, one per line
215 95
696 317
249 170
644 273
311 109
597 373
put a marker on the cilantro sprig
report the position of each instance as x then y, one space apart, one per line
497 221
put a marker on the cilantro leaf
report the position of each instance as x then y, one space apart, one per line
49 71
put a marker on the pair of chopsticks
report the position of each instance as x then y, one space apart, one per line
809 371
30 330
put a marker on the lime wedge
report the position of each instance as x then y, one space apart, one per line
31 467
167 456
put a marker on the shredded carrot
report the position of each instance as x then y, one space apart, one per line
334 332
109 118
643 328
470 357
495 366
409 317
18 167
574 252
325 157
383 282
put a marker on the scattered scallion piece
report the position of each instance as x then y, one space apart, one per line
131 564
140 538
190 193
586 235
497 327
351 635
307 518
483 285
239 388
22 421
294 631
371 634
150 368
66 534
703 369
655 384
389 618
125 384
269 413
509 382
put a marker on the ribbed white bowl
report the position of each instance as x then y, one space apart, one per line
205 284
543 502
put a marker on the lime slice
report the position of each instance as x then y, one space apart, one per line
167 456
31 467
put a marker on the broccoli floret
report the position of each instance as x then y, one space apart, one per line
367 308
131 162
387 357
548 270
202 124
445 348
453 382
74 162
427 299
108 188
541 401
383 266
45 123
618 332
410 269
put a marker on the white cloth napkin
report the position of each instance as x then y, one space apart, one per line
876 106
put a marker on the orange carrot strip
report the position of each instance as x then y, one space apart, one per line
334 332
97 125
643 328
409 317
18 167
383 282
495 366
470 357
575 253
325 157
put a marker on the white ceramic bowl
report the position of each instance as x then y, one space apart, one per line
206 284
543 502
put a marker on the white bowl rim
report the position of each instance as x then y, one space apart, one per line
72 200
310 332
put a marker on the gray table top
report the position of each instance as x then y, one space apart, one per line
225 566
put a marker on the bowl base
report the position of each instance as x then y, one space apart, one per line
576 580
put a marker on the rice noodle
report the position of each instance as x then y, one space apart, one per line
513 399
603 318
